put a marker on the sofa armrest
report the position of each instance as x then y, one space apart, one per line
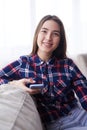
17 110
82 63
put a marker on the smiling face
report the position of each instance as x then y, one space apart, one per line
48 37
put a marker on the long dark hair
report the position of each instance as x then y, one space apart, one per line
60 51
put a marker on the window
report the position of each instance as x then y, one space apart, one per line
19 18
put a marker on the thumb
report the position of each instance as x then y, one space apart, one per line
30 80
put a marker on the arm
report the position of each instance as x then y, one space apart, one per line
10 72
79 83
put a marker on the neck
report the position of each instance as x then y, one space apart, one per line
45 57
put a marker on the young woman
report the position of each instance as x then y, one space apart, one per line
48 65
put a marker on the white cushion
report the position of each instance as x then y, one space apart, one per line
82 63
17 110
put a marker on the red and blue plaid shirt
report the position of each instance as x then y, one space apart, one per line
61 78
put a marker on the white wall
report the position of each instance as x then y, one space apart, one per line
18 19
79 27
15 27
73 15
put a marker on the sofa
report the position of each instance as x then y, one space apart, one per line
17 108
81 62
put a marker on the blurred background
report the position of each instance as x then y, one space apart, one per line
19 18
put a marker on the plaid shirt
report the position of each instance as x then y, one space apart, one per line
61 78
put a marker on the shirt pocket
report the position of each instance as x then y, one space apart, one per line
60 88
26 73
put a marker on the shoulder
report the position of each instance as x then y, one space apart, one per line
25 58
67 61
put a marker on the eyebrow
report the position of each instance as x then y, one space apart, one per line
53 30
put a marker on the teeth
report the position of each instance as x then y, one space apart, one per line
48 45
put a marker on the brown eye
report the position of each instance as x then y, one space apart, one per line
56 34
44 31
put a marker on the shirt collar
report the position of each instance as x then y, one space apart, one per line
36 59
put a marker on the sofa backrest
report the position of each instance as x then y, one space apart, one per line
81 62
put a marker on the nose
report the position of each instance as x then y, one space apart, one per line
49 36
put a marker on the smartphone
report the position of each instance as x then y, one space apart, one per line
34 86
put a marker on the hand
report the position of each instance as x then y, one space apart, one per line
22 84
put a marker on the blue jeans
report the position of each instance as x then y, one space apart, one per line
75 120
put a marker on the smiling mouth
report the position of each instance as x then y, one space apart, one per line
47 44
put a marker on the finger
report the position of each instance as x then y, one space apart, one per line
30 80
33 91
